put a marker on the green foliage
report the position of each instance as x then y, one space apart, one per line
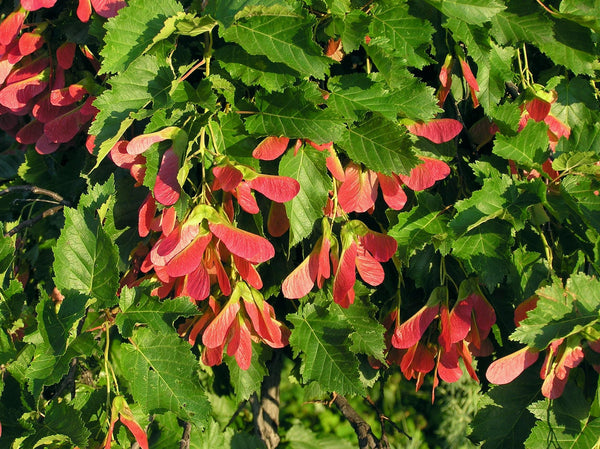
159 287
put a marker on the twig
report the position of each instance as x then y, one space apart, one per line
36 190
236 413
184 443
32 221
366 438
383 418
512 89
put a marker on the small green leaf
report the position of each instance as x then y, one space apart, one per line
582 195
246 382
476 12
56 327
321 341
383 146
308 168
162 372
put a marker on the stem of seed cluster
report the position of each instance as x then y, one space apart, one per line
106 368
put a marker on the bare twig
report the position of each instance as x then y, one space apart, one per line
33 220
36 190
237 412
383 418
366 438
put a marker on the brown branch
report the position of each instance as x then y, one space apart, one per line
36 190
184 443
366 438
266 411
383 418
33 220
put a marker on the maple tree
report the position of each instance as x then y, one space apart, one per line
219 220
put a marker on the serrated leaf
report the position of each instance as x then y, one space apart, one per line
584 12
529 148
500 198
485 250
423 224
560 311
492 75
246 382
60 419
563 422
162 373
321 341
581 195
225 12
138 307
56 327
503 419
353 95
381 145
48 369
289 114
351 28
576 104
229 137
254 70
131 90
282 35
85 259
476 12
308 168
404 34
133 30
367 335
571 46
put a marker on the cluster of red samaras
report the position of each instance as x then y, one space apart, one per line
561 355
38 105
437 337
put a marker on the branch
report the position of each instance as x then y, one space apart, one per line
37 191
33 220
366 438
266 412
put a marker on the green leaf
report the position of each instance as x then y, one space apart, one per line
132 30
403 34
246 382
7 249
225 12
282 35
162 372
503 419
321 341
576 104
138 307
500 198
493 74
353 95
383 146
560 311
423 224
48 369
308 168
60 419
300 437
85 259
529 148
485 251
566 43
367 335
351 28
254 70
411 96
56 327
582 196
229 137
476 12
289 114
131 90
563 422
584 12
